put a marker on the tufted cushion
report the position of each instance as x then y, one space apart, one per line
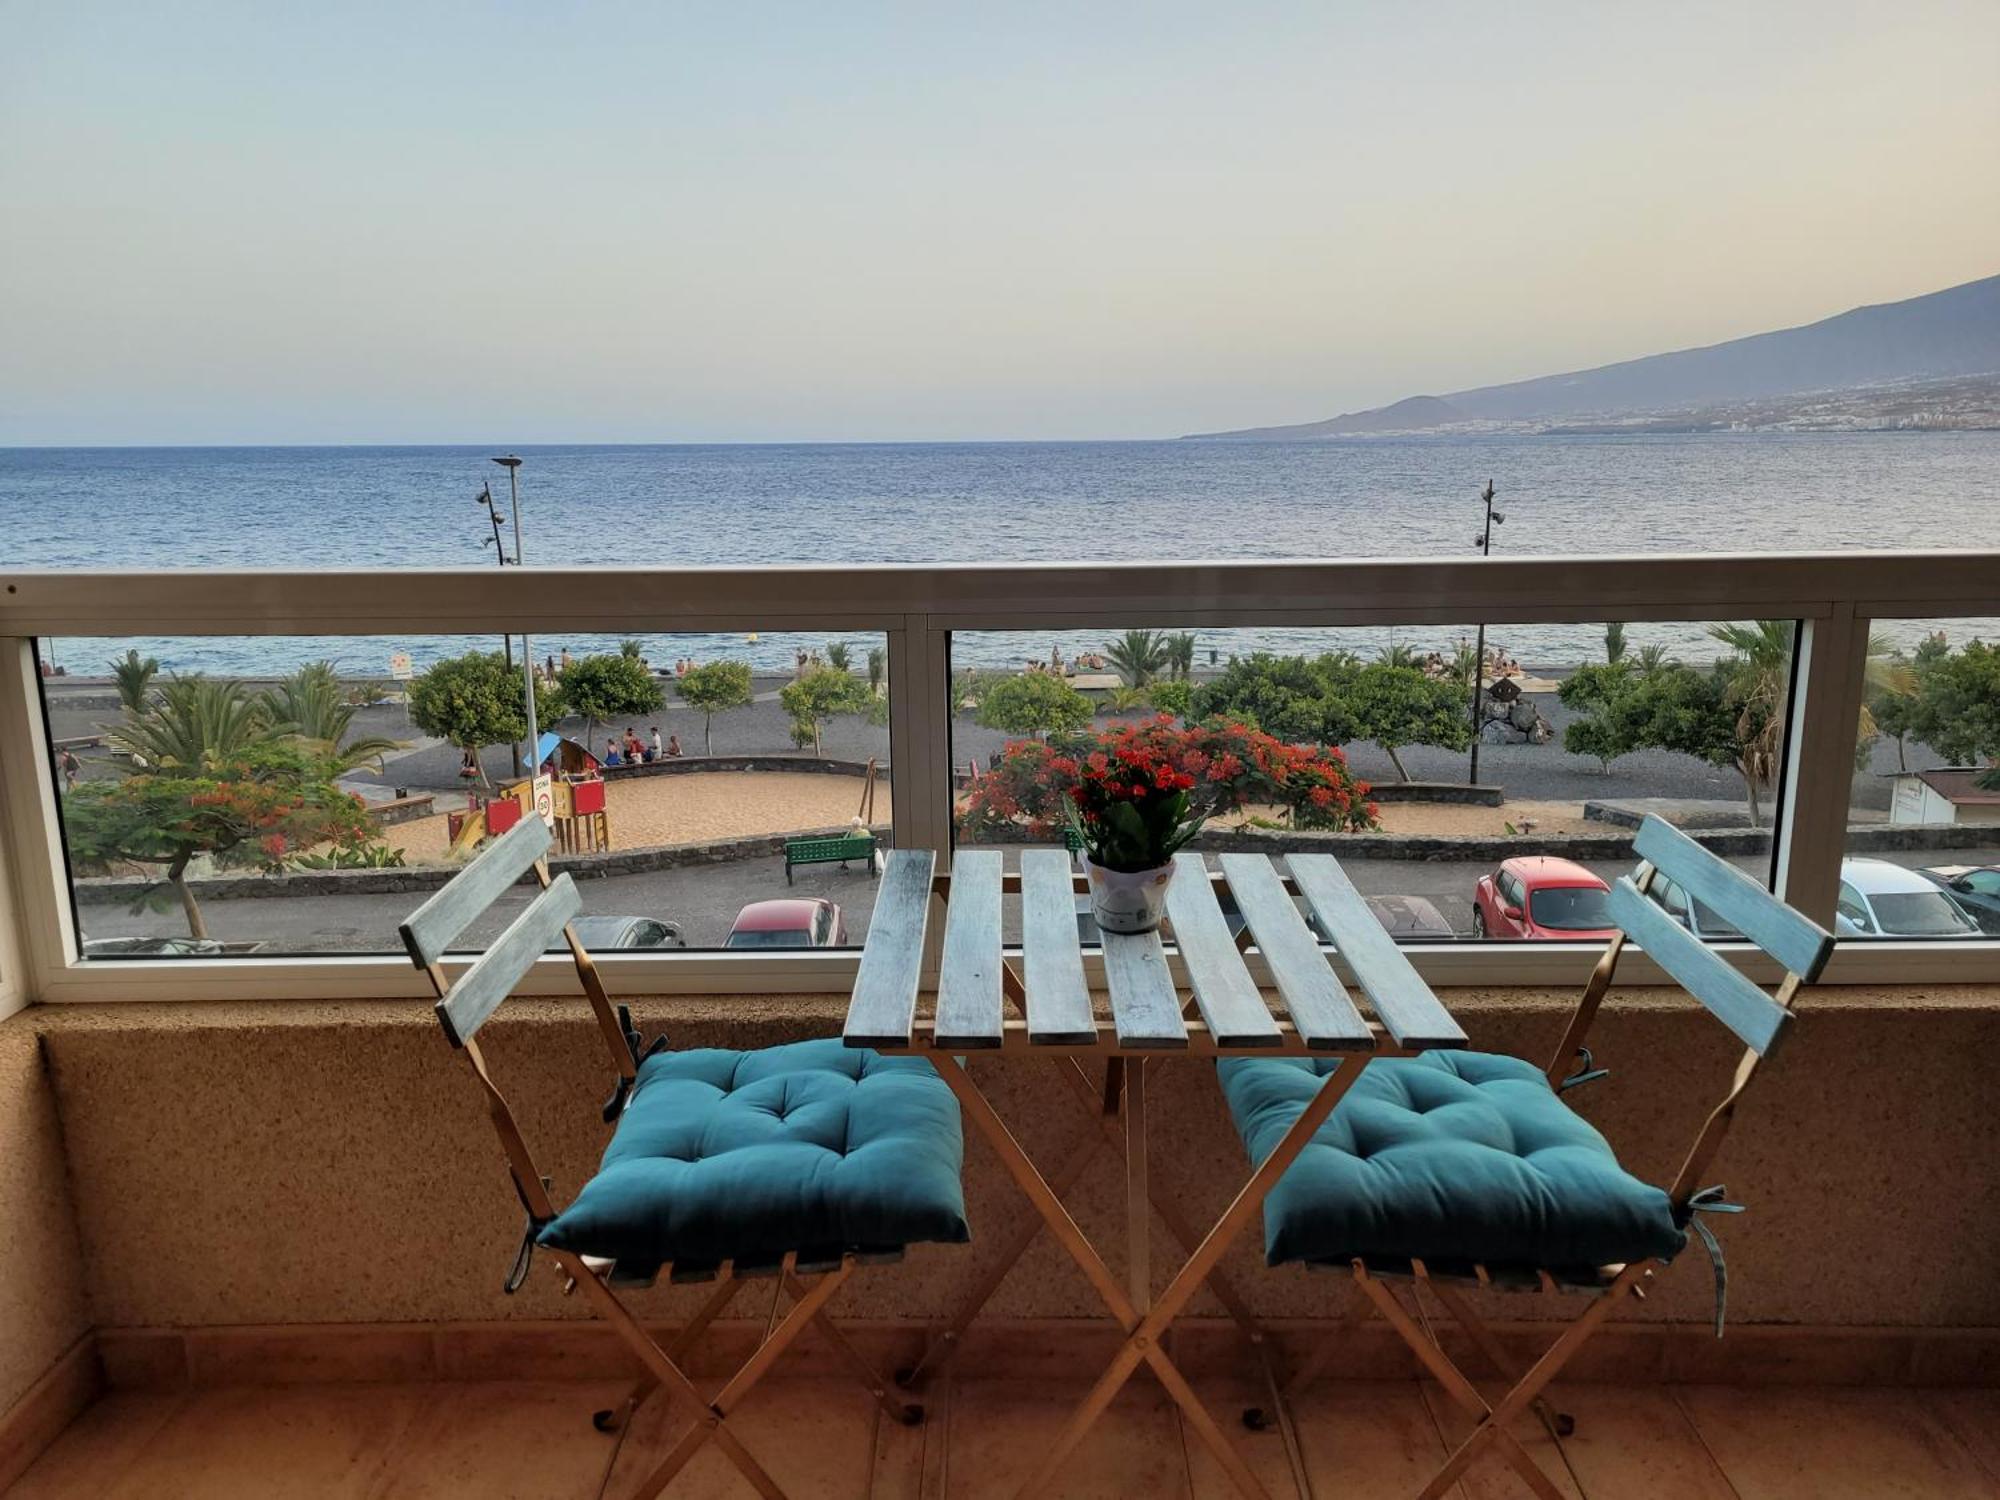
814 1146
1452 1158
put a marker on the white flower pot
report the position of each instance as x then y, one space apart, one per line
1127 900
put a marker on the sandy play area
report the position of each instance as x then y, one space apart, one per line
694 808
1447 817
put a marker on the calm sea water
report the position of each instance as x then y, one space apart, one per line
406 507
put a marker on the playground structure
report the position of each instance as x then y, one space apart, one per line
576 813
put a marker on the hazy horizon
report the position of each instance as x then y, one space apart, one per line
375 227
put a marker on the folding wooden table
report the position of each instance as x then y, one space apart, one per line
1150 1019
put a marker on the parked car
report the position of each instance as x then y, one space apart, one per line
1976 889
788 922
1696 916
1881 900
155 947
1410 919
1541 898
600 934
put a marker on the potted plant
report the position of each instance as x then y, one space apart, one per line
1130 811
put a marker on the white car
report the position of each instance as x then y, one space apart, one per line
1881 900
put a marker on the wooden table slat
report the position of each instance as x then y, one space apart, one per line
1409 1010
1227 996
883 1011
1059 1010
969 1014
1321 1009
1145 1005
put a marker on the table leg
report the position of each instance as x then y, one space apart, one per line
1138 1190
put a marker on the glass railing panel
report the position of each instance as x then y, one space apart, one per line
1360 742
297 796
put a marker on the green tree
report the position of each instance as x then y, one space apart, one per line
473 701
253 806
632 650
839 656
1173 697
1033 703
1896 700
1180 655
714 688
134 674
819 696
1614 641
878 664
1399 706
1956 708
1399 654
605 688
1138 656
1593 692
1300 701
312 702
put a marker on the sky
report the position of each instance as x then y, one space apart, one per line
773 222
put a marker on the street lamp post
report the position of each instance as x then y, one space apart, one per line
1485 541
485 498
513 467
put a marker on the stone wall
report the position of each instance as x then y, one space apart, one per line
312 1162
44 1308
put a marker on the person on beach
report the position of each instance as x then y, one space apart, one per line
548 666
611 755
635 752
565 659
468 765
658 752
71 768
673 745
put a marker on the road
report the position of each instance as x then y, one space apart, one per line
704 900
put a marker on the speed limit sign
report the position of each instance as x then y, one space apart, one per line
545 799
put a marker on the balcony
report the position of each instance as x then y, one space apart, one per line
256 1230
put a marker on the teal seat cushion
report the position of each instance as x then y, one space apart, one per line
813 1147
1452 1158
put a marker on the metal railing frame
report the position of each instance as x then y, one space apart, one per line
916 608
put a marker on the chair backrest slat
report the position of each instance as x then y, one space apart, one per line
436 925
477 992
1792 939
1746 1010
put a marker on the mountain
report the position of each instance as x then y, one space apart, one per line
1942 335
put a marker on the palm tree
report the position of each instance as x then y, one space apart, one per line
310 701
1138 656
1399 654
1650 658
194 723
134 675
1180 654
839 655
1614 640
1758 670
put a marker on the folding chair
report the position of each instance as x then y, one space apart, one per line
1467 1169
792 1162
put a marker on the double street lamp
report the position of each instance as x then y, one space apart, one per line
485 497
1484 542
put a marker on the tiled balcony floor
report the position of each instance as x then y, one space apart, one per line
819 1439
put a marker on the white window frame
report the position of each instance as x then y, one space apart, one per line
916 608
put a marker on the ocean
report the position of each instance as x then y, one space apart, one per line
983 502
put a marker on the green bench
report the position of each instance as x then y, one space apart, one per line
837 850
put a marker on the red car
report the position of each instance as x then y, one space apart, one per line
1541 898
790 922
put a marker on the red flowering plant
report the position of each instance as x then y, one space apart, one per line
1225 765
1129 805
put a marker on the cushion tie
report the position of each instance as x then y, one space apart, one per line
1588 1073
1711 1200
530 1231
